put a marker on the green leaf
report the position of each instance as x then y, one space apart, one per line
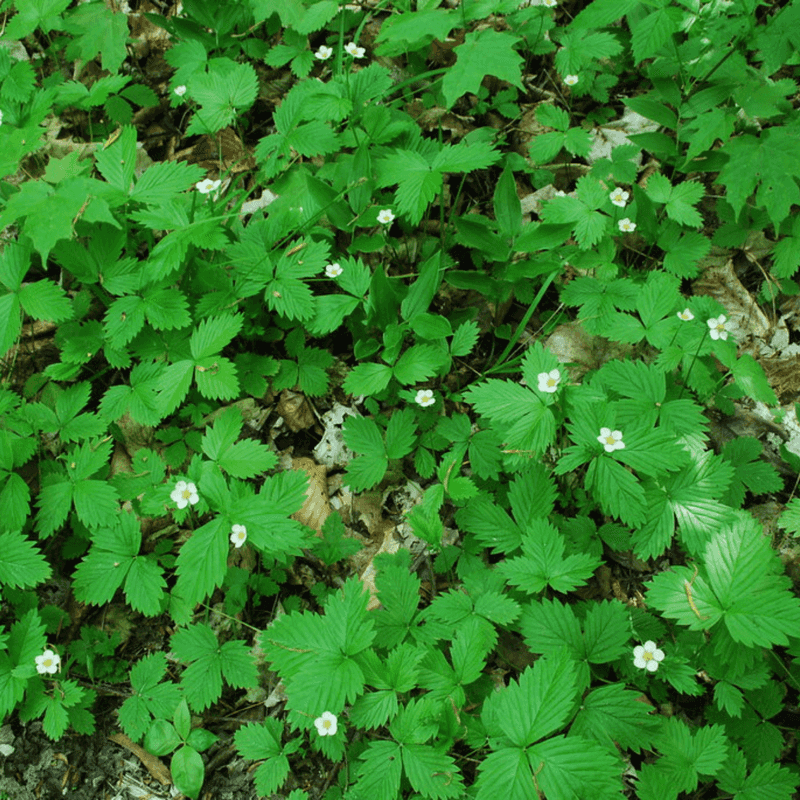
738 584
484 52
418 363
367 379
770 162
401 434
679 200
650 33
398 590
432 773
228 88
570 766
33 14
619 492
214 333
10 322
97 29
543 562
402 33
506 203
464 339
749 374
789 520
301 645
379 774
201 563
505 773
21 563
532 425
188 771
687 754
615 715
144 586
606 632
161 738
44 300
263 741
257 741
490 524
536 706
165 179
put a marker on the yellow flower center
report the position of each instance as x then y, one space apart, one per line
610 440
647 655
48 662
186 494
551 381
326 723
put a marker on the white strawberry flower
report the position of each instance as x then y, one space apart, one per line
184 494
550 3
611 440
619 197
333 271
238 535
207 186
386 217
47 663
627 226
326 724
548 381
570 80
686 315
180 90
647 656
323 53
354 50
425 398
717 327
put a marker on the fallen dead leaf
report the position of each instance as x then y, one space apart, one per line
154 765
295 410
317 507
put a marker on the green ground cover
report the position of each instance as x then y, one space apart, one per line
534 257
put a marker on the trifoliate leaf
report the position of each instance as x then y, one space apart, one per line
304 648
259 742
543 562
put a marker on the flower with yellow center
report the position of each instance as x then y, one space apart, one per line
548 381
647 656
47 663
611 440
326 724
184 494
238 535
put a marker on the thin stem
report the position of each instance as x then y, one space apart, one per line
523 322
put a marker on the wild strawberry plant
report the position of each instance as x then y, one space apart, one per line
378 223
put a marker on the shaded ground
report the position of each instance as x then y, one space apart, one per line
94 768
